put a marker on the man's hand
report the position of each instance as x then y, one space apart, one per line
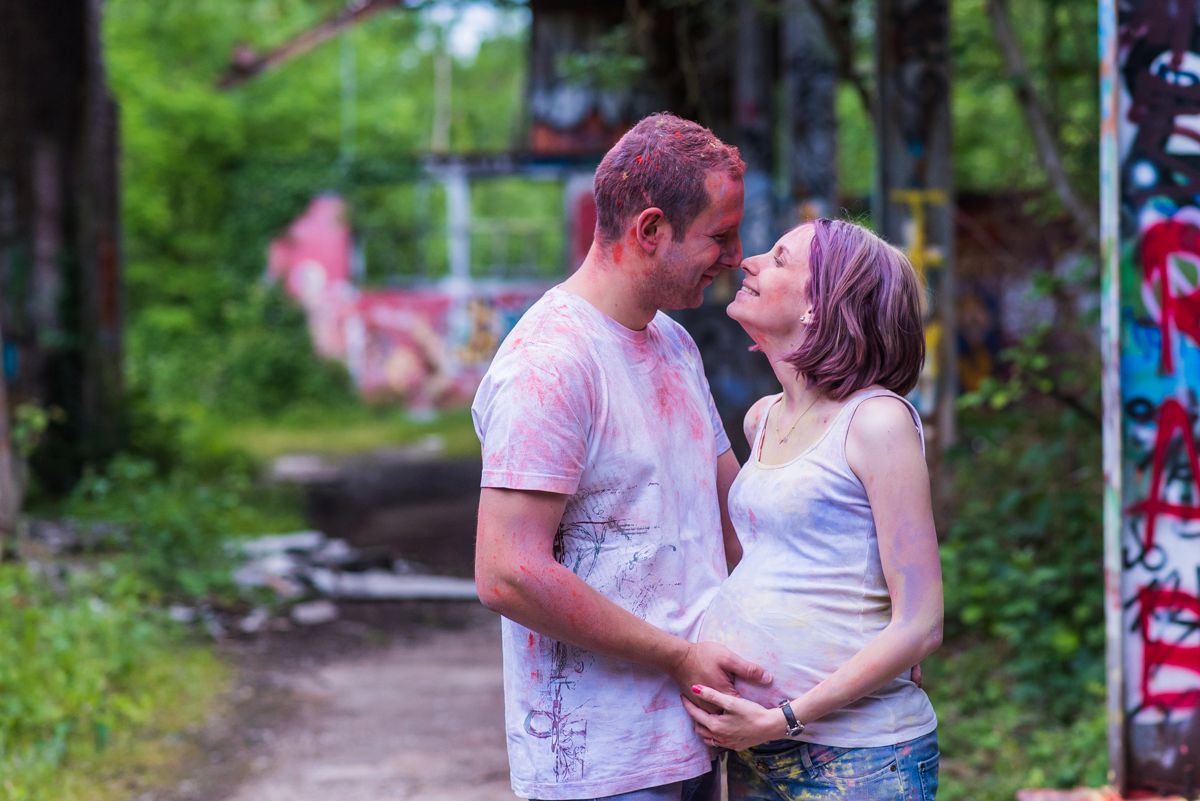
713 665
917 676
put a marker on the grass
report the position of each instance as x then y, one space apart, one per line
180 692
993 745
94 686
348 431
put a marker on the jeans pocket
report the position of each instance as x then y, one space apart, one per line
927 774
775 758
844 766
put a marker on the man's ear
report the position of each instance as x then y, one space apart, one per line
651 229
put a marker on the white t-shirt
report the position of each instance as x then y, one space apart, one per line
623 422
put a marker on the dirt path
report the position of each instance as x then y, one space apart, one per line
369 714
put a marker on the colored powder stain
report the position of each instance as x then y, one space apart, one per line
531 641
618 252
639 158
535 675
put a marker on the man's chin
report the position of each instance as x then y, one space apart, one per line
692 301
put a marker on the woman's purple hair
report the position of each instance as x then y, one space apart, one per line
867 309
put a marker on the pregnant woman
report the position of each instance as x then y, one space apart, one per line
839 590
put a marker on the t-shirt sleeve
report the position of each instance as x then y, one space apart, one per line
532 414
722 442
721 439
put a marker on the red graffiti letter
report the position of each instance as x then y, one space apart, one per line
1171 417
1157 653
1159 243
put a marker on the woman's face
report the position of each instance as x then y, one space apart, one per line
774 292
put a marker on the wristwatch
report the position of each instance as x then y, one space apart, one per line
794 727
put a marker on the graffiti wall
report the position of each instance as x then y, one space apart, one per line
1151 183
425 347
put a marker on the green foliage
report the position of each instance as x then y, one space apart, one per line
993 149
174 528
211 176
29 422
993 745
1020 690
1023 554
352 430
613 62
78 673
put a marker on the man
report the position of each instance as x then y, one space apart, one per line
600 532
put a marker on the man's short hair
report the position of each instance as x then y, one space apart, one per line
868 322
661 162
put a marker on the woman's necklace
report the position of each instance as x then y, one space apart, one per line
798 419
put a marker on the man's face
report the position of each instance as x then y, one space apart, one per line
710 245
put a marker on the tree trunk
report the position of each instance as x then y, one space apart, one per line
10 484
59 247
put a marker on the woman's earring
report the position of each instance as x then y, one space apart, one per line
804 317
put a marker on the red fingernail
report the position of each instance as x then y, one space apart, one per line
696 689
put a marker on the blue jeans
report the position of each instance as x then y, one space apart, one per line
787 769
701 788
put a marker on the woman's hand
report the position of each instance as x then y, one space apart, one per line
738 725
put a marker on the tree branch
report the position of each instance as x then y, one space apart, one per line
246 64
1085 218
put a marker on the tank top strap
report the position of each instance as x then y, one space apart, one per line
841 426
760 431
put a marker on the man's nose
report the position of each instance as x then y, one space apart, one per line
733 254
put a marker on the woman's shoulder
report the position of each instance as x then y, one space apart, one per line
884 419
754 417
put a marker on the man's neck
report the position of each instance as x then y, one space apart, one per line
613 288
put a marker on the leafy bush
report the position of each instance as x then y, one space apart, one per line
1020 687
1023 556
993 745
175 527
81 668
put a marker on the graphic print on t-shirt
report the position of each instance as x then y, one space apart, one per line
565 728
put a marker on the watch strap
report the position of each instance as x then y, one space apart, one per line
794 727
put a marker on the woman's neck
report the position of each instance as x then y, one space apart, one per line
797 394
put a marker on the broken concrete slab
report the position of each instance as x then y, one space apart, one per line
314 613
379 585
296 541
303 468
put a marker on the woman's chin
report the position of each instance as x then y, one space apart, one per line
736 309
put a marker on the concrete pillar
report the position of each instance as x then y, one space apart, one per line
1150 231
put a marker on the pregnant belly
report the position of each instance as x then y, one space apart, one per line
792 647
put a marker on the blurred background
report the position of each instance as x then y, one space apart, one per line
256 254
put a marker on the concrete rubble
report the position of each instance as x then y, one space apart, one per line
309 572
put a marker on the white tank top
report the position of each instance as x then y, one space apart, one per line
809 592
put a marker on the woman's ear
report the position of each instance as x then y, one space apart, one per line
651 228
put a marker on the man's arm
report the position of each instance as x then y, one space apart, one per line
517 576
727 470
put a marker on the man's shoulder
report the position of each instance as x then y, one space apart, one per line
551 322
674 331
